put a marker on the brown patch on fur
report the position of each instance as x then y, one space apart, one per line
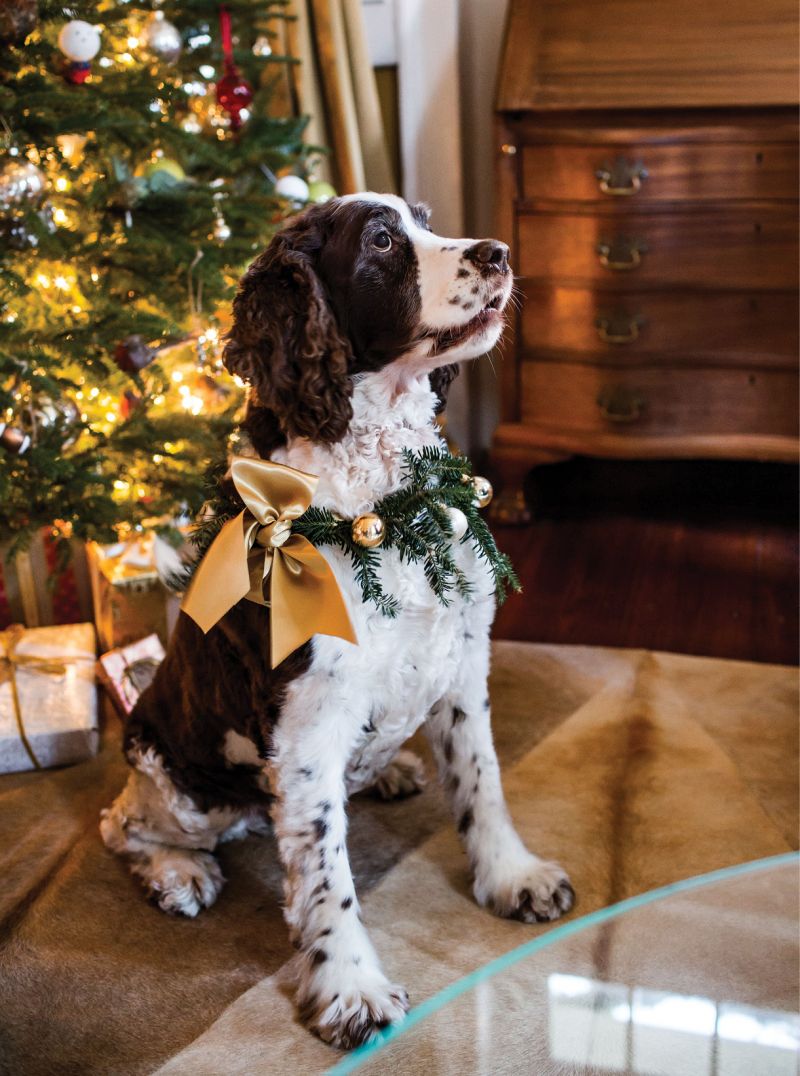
286 342
207 685
441 379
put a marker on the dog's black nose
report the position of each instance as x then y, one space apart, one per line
489 253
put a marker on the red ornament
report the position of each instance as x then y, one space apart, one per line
133 354
233 92
128 403
78 72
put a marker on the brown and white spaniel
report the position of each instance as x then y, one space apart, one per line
348 329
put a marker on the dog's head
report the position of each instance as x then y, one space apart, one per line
354 286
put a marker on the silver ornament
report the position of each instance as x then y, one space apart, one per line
20 181
162 38
221 231
482 488
261 46
46 413
14 440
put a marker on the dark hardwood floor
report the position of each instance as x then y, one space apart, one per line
699 558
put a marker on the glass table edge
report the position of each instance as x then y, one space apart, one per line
574 926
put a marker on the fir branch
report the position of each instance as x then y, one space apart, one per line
416 525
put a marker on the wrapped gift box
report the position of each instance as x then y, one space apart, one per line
37 587
128 670
130 600
48 697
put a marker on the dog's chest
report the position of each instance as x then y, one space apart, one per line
384 687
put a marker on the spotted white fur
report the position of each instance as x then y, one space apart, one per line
344 720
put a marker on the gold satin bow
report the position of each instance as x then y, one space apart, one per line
258 546
10 661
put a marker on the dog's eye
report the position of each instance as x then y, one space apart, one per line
382 241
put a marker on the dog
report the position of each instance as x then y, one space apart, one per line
348 329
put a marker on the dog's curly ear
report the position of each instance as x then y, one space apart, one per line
285 340
441 379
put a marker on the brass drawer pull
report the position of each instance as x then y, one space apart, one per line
621 253
621 177
617 403
618 329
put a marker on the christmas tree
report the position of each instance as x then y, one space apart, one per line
142 165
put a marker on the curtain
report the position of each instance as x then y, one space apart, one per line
334 84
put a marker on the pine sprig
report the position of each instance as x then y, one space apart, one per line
416 524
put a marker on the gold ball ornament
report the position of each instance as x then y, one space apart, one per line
368 530
482 488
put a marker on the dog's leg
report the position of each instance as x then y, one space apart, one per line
166 839
342 993
507 877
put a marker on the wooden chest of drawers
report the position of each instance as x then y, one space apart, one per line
657 262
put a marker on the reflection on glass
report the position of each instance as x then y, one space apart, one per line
658 1033
752 1041
672 1035
589 1020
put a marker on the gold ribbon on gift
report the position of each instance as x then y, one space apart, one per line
10 661
257 550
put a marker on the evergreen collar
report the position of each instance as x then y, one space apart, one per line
421 520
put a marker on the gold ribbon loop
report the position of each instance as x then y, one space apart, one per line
257 549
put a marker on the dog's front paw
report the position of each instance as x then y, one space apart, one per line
537 892
348 1007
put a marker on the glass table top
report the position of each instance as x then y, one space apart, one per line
699 978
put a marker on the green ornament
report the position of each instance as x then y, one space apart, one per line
163 173
320 191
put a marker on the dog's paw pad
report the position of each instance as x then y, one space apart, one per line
540 894
404 776
355 1014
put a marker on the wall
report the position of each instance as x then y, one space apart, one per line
482 23
447 52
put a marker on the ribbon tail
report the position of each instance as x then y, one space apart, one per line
222 578
305 600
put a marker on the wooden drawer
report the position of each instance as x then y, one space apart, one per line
663 400
716 327
643 172
737 249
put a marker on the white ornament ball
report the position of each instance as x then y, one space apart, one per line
162 38
293 188
79 41
458 523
